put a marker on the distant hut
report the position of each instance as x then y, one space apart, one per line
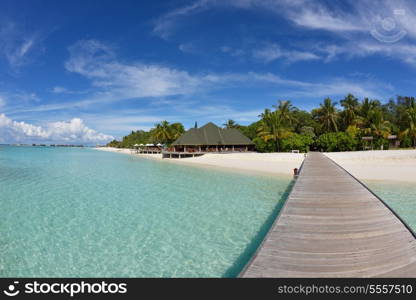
394 142
135 148
209 139
150 149
367 142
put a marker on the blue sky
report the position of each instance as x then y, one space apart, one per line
88 71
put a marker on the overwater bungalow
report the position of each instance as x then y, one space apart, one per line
208 139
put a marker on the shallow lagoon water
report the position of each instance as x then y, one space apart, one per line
68 212
400 196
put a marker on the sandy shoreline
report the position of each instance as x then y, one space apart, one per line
253 163
390 165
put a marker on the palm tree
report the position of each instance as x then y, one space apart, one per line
231 124
162 132
177 130
327 114
286 109
272 127
350 105
367 107
265 113
377 126
411 122
166 133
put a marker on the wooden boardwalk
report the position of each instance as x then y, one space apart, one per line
332 226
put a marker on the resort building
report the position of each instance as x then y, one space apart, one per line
208 139
394 142
149 148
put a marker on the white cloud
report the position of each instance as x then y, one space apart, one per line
401 51
114 80
188 48
310 14
359 17
232 52
405 52
354 26
350 21
165 24
225 49
269 52
64 90
329 88
315 15
97 62
14 99
16 44
59 90
73 131
273 52
23 96
168 22
348 16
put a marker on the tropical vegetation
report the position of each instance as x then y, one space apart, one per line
350 125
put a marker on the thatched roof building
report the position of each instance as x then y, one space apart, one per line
209 138
212 135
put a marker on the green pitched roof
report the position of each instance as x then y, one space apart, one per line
210 134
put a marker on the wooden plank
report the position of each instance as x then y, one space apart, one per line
332 226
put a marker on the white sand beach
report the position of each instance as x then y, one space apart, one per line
260 163
388 165
265 163
129 151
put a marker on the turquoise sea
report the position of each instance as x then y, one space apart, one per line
74 212
400 196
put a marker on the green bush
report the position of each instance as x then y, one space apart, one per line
307 130
114 143
262 146
336 141
406 142
379 142
297 142
250 131
135 137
